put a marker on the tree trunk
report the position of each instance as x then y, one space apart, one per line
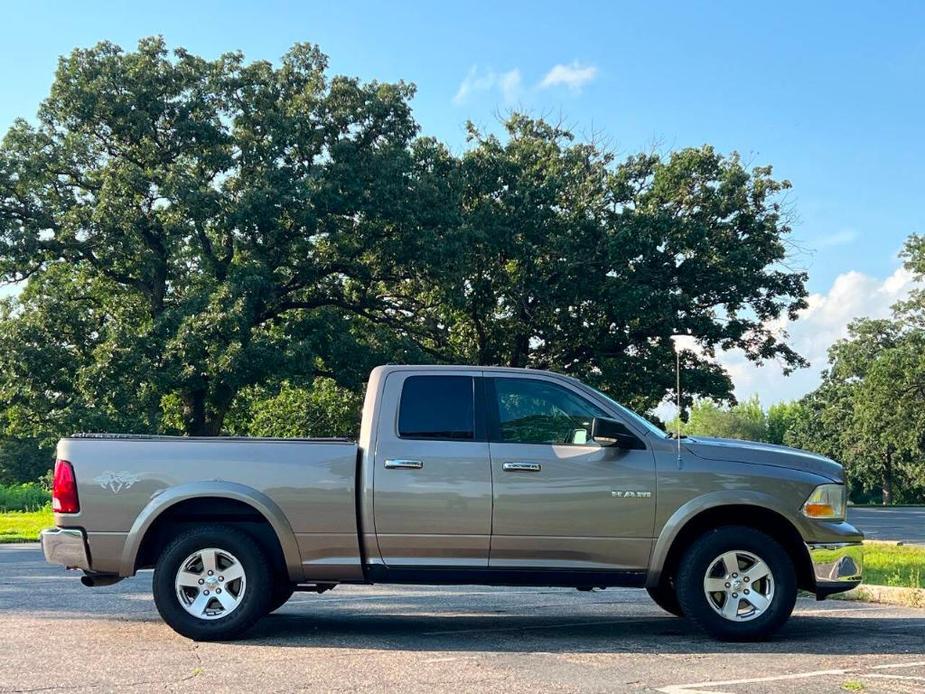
888 479
520 351
194 412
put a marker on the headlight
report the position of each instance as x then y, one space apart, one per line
827 501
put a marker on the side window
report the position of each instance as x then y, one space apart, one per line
437 407
535 411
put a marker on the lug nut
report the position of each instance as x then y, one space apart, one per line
746 579
201 581
221 578
746 591
219 590
205 592
733 575
735 595
727 585
210 572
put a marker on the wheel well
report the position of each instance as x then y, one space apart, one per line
759 518
200 510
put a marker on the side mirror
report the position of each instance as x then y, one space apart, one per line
610 432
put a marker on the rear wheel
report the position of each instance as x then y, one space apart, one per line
666 597
212 583
737 583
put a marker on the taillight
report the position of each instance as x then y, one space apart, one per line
64 489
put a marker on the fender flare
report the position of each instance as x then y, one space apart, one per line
686 512
257 500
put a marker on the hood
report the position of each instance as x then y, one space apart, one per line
734 450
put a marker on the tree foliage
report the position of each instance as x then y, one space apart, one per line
197 236
190 228
869 411
587 265
322 409
744 420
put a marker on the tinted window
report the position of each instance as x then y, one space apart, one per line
437 407
534 411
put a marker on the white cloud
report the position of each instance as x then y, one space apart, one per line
839 238
507 83
852 295
574 76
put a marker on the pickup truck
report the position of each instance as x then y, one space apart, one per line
461 475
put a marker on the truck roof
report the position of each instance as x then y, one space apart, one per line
468 367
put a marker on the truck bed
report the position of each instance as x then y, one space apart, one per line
305 487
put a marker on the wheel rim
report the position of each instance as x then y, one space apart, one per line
739 585
210 583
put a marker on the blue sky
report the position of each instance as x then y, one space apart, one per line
831 94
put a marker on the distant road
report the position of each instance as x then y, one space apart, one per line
906 524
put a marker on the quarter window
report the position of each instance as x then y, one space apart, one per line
535 411
437 407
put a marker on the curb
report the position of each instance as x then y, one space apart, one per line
885 595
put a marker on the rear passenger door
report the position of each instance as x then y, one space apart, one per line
432 479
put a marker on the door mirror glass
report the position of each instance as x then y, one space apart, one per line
610 432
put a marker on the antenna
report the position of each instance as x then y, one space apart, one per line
677 372
680 342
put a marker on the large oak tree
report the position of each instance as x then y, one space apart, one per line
191 230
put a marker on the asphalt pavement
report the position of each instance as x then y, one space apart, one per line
902 523
59 636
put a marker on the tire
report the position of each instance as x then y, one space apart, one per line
728 555
665 597
282 591
220 608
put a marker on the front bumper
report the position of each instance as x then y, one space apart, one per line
837 566
66 546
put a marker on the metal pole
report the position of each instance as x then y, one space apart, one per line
678 391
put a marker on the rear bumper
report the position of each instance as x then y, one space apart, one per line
66 546
837 567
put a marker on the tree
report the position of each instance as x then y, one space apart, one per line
324 409
23 460
194 232
589 266
782 418
746 420
869 411
191 228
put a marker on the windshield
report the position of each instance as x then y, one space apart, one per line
649 426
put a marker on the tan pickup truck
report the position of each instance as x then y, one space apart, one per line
461 475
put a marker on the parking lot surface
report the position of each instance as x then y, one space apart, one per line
58 636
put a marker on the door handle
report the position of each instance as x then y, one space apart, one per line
521 467
403 464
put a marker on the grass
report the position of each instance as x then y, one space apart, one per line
901 566
24 526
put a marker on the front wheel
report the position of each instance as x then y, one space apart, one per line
737 583
212 583
666 597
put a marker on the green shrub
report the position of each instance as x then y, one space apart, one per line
24 497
